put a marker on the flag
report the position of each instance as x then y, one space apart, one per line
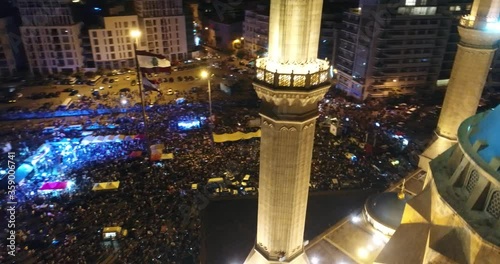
148 86
150 62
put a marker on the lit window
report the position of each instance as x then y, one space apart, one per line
410 2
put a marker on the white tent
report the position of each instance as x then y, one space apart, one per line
98 139
87 140
157 147
119 138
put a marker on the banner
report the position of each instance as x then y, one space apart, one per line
235 136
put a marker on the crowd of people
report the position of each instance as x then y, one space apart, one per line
155 201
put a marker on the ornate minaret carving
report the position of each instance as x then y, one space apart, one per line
290 82
479 36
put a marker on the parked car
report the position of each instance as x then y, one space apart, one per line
73 92
170 92
111 80
171 79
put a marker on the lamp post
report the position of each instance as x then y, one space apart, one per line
136 34
207 75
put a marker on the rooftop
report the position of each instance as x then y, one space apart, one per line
353 240
230 225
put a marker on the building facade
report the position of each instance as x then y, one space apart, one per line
50 36
390 49
164 28
493 81
256 30
226 35
12 57
112 46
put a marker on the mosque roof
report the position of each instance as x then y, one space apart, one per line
487 130
387 208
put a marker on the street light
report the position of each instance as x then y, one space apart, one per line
135 33
207 75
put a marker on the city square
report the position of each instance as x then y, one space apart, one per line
215 154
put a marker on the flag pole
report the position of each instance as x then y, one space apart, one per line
141 93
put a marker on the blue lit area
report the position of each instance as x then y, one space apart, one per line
188 125
97 9
493 26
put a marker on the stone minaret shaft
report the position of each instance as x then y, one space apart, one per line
479 35
290 83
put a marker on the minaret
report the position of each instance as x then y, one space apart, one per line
290 81
479 36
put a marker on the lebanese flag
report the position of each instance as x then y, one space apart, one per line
148 85
151 62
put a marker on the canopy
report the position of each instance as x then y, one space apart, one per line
109 229
54 186
135 154
157 147
105 186
87 140
23 171
109 138
119 138
156 156
98 139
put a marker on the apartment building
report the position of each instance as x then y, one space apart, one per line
50 36
112 46
389 49
12 57
256 30
493 81
164 28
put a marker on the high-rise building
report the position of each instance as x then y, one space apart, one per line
290 81
164 28
256 30
493 81
226 34
394 48
479 38
12 57
456 10
50 36
112 46
256 25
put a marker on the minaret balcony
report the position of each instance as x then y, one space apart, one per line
313 78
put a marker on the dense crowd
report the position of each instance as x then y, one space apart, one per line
155 202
